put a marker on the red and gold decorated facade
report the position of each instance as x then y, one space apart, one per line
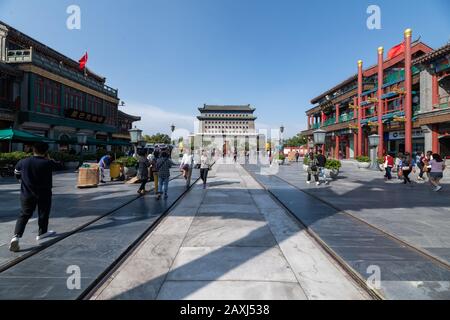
409 110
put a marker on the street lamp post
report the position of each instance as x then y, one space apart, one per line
374 141
82 141
135 138
319 137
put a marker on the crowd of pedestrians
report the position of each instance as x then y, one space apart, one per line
430 166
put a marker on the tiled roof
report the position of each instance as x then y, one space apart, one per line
227 108
129 116
438 53
335 88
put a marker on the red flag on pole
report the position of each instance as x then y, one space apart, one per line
83 61
397 50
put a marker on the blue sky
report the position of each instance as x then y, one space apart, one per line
168 57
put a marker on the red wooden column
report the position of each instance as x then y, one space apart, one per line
337 147
360 90
380 102
408 92
309 122
435 138
337 113
435 90
355 135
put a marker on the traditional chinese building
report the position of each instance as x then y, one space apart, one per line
235 124
45 93
434 115
384 99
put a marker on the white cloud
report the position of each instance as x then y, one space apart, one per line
157 120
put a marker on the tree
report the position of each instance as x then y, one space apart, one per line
158 138
296 141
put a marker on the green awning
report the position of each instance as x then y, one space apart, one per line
22 136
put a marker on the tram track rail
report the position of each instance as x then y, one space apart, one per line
72 232
90 291
354 275
95 286
418 250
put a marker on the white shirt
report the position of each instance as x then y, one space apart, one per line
187 159
204 162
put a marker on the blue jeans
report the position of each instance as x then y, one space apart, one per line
163 184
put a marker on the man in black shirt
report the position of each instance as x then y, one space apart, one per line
36 176
322 161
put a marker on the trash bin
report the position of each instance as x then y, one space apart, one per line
114 171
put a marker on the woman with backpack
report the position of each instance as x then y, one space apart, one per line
313 169
437 171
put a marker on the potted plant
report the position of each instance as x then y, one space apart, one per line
129 166
332 168
363 162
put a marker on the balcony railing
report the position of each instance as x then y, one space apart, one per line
444 103
27 56
73 75
329 122
19 56
315 126
346 117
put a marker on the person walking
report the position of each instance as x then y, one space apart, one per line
204 168
297 156
104 163
421 166
185 165
406 168
397 165
143 172
388 165
36 176
154 171
437 171
163 166
321 162
427 165
313 169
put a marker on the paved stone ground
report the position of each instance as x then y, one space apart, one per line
232 241
92 250
414 214
71 208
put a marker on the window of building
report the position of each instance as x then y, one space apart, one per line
3 89
74 99
47 96
94 105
